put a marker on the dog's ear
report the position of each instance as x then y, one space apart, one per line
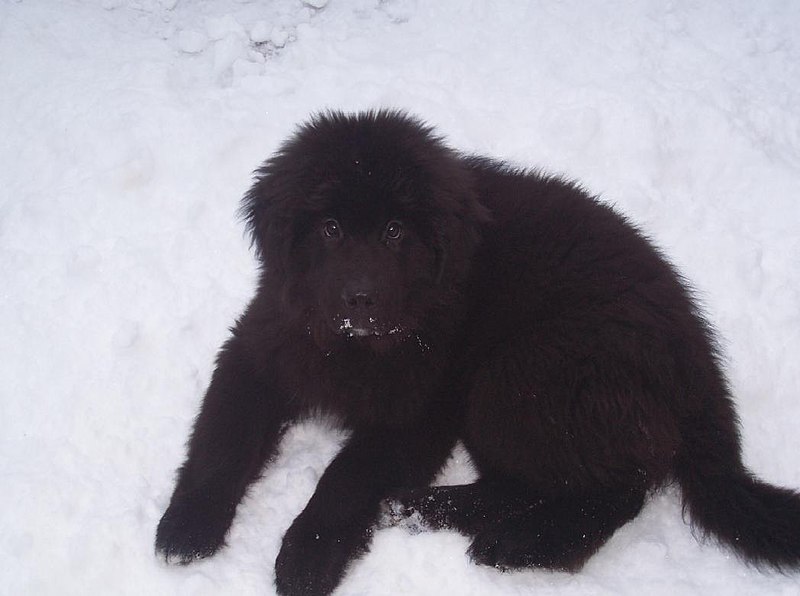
260 209
252 211
462 220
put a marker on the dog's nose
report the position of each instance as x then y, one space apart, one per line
359 296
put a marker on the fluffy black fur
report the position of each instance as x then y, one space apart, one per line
423 297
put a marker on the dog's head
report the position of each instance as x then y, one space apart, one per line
368 223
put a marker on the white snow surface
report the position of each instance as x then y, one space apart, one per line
128 132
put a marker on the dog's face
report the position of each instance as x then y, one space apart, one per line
368 223
368 268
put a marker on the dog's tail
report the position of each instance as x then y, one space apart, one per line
758 521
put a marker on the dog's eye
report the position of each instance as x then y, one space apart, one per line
394 229
331 229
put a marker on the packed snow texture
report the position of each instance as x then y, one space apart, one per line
128 131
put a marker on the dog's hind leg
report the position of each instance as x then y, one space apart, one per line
512 529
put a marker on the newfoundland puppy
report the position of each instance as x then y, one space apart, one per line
422 297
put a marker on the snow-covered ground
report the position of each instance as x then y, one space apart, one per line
128 132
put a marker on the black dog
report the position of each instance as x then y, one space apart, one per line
422 297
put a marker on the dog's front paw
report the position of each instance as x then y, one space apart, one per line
314 556
192 528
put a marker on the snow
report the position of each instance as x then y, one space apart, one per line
192 42
128 132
